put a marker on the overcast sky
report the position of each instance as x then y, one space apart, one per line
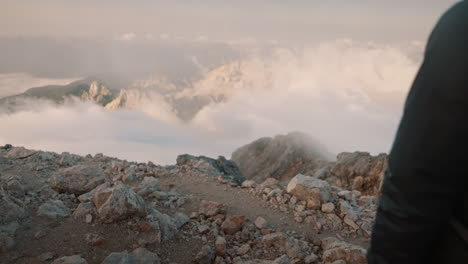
311 20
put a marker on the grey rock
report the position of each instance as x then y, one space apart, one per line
210 208
205 256
261 222
117 203
306 188
53 209
78 179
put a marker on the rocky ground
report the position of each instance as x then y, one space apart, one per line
67 209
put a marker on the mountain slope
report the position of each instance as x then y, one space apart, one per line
281 157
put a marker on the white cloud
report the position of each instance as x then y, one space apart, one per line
127 36
15 83
348 95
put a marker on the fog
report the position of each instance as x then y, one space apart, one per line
347 94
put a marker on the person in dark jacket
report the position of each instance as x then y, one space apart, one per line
423 210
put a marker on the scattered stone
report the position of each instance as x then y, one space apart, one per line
147 186
88 218
117 203
261 223
53 209
78 179
244 249
312 258
249 184
95 240
333 250
328 208
232 224
46 256
220 246
203 229
85 211
209 208
205 256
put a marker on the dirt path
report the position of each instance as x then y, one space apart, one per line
241 202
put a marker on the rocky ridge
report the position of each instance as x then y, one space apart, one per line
284 156
65 208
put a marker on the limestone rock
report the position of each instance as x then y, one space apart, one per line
78 179
368 171
328 208
147 186
18 153
209 208
83 210
334 250
53 209
261 223
249 184
306 188
117 203
232 224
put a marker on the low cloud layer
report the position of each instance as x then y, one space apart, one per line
15 83
347 95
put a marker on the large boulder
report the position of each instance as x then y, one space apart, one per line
138 256
78 179
360 171
281 157
310 189
221 167
117 202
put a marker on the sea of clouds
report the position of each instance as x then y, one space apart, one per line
348 95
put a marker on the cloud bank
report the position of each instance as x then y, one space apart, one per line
348 95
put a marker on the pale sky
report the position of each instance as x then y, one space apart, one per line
301 21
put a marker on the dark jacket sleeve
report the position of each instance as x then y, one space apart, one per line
427 172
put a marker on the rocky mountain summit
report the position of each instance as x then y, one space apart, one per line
285 156
66 208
